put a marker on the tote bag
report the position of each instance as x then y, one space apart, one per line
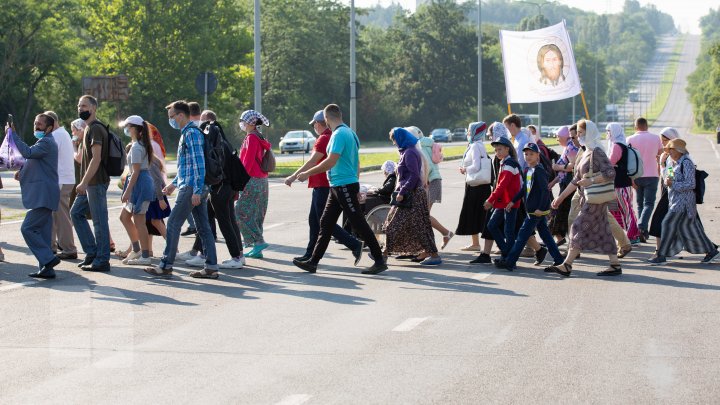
482 176
598 193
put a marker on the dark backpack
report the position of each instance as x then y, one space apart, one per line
214 153
267 163
115 163
547 165
234 171
700 176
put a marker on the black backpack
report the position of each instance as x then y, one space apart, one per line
116 159
214 153
700 176
234 172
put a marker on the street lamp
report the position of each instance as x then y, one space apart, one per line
479 26
258 95
353 95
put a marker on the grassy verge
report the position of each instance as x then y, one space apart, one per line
663 94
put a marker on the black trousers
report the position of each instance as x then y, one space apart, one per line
343 199
221 208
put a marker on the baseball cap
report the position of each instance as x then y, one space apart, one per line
319 116
531 146
134 120
502 141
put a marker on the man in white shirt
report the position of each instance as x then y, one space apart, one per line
63 239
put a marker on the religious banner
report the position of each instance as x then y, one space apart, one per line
539 65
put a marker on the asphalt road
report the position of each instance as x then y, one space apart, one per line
458 333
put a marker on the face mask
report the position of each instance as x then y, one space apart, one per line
84 115
74 138
126 130
581 139
173 123
469 138
243 126
197 123
39 134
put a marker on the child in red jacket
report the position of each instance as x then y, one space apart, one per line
508 185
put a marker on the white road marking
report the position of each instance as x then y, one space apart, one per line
273 226
483 275
296 399
409 324
14 286
717 154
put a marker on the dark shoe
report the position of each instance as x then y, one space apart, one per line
104 267
308 266
357 253
406 257
644 235
657 261
67 256
52 263
376 268
418 259
302 258
45 273
499 263
188 231
562 242
540 255
87 261
613 270
483 258
563 270
710 257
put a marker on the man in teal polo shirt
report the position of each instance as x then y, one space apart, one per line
343 167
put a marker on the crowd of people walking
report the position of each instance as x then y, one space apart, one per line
508 198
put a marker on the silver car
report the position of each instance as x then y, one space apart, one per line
297 141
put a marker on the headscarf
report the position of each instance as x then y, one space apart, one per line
499 131
670 133
157 137
415 131
404 138
535 137
251 117
563 132
78 124
477 131
592 136
616 134
388 166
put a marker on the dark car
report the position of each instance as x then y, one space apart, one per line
441 135
458 134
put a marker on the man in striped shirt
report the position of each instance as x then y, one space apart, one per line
192 195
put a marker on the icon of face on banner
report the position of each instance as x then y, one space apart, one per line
550 63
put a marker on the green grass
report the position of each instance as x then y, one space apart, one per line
663 94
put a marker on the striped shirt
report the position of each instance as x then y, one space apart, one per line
191 159
682 190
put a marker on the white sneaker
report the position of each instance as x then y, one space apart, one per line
233 263
140 261
197 261
184 256
131 256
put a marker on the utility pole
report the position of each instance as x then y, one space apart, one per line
480 54
258 87
353 95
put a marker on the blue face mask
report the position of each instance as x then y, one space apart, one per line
173 123
39 134
126 130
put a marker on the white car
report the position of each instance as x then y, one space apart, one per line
297 141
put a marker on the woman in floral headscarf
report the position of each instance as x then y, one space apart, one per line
590 232
408 230
623 210
558 222
472 215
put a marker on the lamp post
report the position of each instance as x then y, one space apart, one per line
353 96
479 27
258 95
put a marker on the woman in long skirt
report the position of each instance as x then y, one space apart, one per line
623 209
681 227
472 215
558 221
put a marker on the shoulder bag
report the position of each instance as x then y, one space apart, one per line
598 193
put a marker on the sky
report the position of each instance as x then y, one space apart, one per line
686 13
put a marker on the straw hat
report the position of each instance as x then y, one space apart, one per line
677 144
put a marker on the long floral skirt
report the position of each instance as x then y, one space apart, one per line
590 231
408 230
624 212
250 209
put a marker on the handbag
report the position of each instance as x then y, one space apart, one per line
598 193
405 203
482 176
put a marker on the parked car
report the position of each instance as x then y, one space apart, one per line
458 134
297 141
441 135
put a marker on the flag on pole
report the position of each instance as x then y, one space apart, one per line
539 65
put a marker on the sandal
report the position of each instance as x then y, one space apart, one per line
205 273
565 271
157 271
112 247
446 239
623 251
613 270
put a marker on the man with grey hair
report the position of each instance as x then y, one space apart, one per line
63 239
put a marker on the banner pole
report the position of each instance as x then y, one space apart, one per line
582 95
509 110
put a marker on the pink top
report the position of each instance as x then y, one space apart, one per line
251 154
650 147
616 154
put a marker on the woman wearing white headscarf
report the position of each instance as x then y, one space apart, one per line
623 210
472 215
661 209
681 227
590 231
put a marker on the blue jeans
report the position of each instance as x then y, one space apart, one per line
179 214
505 238
531 223
319 199
646 193
94 201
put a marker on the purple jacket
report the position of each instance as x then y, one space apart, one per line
409 171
